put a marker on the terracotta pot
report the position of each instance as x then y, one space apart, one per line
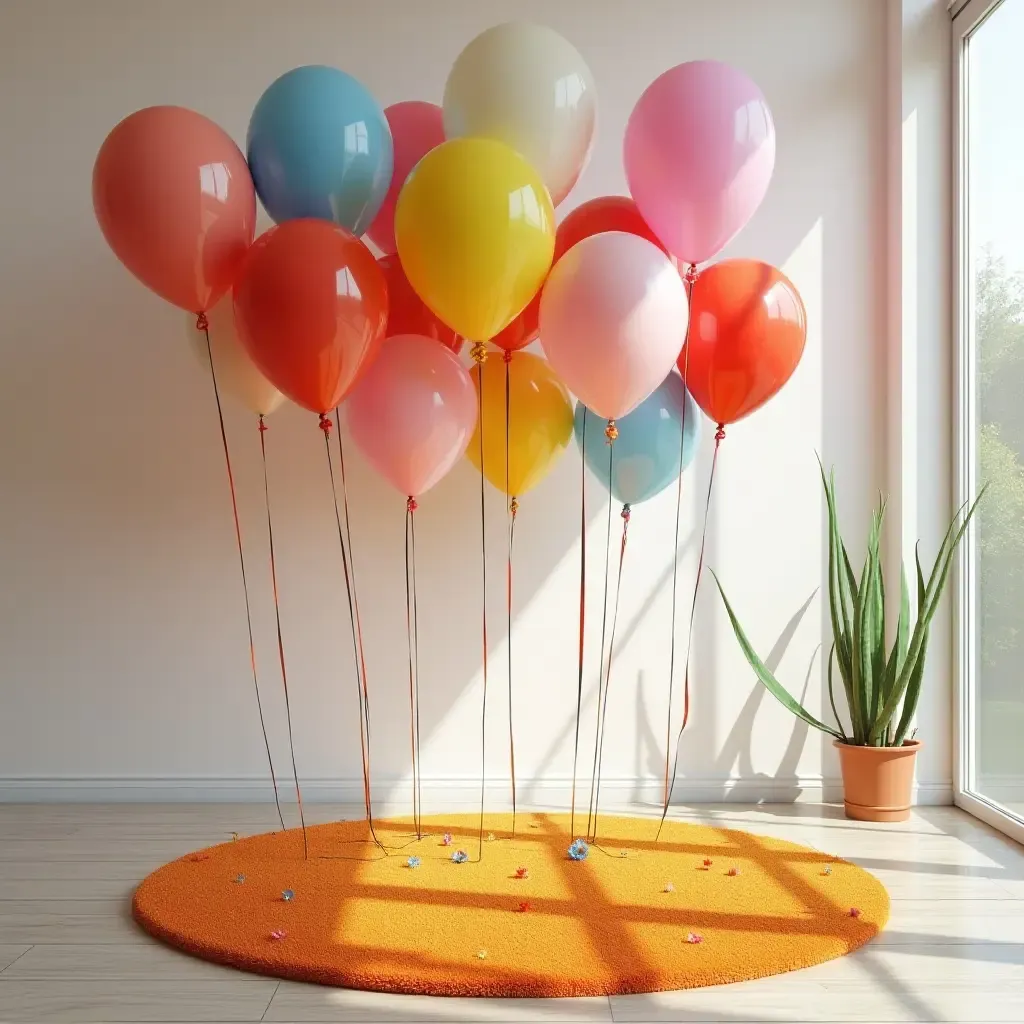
878 781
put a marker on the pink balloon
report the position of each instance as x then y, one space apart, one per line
699 153
613 317
413 412
416 128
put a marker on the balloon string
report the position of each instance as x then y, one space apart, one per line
325 426
611 651
719 438
513 509
202 324
358 619
280 638
479 354
411 630
583 608
611 433
689 279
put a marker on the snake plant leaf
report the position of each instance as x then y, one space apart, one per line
831 693
765 675
913 694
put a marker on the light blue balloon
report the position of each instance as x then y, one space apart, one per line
645 455
319 145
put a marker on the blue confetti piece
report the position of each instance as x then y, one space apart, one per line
287 895
413 862
239 879
578 850
460 856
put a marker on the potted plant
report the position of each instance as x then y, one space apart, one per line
882 685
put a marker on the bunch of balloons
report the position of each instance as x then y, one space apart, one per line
459 200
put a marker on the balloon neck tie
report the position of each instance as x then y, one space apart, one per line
625 513
202 324
262 427
325 424
506 356
720 432
478 352
691 274
611 432
410 505
514 506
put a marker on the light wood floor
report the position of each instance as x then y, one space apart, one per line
953 951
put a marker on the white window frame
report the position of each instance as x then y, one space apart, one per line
968 16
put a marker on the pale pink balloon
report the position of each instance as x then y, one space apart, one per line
413 412
416 128
699 153
613 317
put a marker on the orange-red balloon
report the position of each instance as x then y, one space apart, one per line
407 312
310 307
747 333
175 201
605 213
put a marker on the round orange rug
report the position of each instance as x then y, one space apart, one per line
703 906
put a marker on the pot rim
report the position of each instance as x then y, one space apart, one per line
908 746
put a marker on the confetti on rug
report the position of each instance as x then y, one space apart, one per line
604 925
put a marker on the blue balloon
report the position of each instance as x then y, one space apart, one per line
319 145
645 455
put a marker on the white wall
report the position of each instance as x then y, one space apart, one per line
124 653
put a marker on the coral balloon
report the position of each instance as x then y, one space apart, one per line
319 146
539 422
747 334
416 128
613 320
656 441
699 153
528 87
237 375
174 199
605 213
310 307
475 231
407 313
412 413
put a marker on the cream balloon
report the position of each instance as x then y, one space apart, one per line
236 373
528 87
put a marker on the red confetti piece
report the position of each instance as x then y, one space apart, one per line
522 872
524 907
733 872
694 939
854 912
277 934
708 862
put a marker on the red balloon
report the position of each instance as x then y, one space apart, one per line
175 201
310 306
747 333
407 312
594 217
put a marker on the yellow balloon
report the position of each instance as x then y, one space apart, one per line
539 422
475 230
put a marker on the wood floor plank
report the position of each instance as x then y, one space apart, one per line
149 961
10 952
67 921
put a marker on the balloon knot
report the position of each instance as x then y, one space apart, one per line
506 356
263 425
410 505
202 324
514 507
691 273
720 432
478 352
325 424
611 431
625 512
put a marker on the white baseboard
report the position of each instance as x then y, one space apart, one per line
442 792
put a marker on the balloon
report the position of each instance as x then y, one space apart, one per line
606 213
645 455
406 312
613 320
310 307
412 414
475 231
539 421
175 202
748 329
416 128
699 153
236 373
528 87
319 146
